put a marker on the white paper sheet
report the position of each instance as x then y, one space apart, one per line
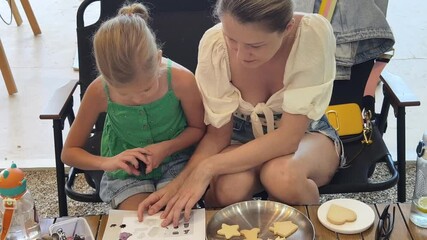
124 225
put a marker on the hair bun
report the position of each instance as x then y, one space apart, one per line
135 8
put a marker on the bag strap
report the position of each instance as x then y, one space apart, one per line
366 136
374 76
367 127
327 8
9 205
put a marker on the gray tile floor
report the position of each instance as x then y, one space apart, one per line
43 63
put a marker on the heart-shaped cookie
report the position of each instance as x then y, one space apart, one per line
339 215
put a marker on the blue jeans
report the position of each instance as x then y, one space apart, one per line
242 132
115 191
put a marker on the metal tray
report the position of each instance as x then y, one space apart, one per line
260 214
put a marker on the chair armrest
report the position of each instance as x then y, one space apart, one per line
57 104
399 96
398 92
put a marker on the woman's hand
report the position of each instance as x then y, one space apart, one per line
189 193
158 199
127 160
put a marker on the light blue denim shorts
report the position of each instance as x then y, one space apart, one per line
115 191
242 132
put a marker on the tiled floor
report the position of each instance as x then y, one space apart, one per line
43 63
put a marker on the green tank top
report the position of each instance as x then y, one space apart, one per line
128 127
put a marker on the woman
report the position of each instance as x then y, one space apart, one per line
266 76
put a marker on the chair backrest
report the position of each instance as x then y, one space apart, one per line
352 90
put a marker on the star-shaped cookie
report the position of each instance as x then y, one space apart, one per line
229 231
283 229
251 234
278 238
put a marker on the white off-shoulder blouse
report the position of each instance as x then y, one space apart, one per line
308 77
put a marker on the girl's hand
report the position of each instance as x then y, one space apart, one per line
127 160
157 153
187 196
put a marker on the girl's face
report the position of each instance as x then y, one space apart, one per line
251 44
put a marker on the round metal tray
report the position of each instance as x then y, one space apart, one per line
262 215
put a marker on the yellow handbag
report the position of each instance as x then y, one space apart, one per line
354 127
346 118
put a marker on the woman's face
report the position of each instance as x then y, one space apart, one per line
251 44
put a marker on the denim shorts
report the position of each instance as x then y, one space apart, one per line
242 132
115 191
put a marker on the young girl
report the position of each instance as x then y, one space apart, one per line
154 112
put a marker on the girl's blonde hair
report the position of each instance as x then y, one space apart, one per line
125 46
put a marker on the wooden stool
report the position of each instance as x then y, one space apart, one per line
4 64
28 11
6 72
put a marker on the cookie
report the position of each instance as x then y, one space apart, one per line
283 229
278 238
251 234
229 231
339 215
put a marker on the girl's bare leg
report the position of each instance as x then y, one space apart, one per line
132 202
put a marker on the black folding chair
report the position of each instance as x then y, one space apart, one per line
179 26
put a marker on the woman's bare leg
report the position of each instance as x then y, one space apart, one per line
231 188
294 179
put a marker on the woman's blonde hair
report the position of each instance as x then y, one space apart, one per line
125 46
273 14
